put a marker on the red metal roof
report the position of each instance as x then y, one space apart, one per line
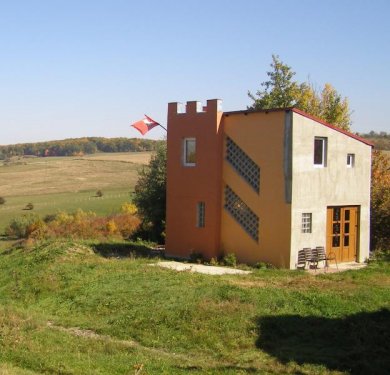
302 113
349 134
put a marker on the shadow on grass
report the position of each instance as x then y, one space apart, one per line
121 250
357 344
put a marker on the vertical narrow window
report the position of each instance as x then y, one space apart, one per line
200 214
350 160
189 152
306 222
320 150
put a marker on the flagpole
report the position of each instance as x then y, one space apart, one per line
164 128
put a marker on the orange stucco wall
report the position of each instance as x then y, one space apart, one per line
262 136
186 186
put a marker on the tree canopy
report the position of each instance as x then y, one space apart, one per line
281 91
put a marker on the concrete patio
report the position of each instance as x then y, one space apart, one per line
332 268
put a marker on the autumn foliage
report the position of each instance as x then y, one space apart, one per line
77 225
380 201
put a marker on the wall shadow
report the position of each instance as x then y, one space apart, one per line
357 344
122 250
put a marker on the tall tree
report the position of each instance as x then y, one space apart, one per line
281 91
150 192
380 201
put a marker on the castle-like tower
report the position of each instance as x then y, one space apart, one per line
194 178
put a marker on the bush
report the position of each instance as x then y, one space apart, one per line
99 193
29 206
129 208
26 226
2 200
230 260
196 257
77 225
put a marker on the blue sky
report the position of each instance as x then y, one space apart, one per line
90 68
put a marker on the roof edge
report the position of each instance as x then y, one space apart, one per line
304 114
345 132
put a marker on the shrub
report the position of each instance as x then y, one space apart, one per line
99 193
29 206
196 257
214 262
2 200
26 225
129 208
230 260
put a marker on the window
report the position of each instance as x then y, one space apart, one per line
248 220
320 149
306 223
243 164
350 160
189 158
200 214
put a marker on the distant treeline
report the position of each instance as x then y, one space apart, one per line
380 140
78 147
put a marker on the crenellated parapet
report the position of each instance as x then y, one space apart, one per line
194 107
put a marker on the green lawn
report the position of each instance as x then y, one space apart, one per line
129 314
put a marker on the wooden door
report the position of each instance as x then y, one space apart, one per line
342 232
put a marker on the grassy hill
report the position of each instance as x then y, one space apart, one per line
68 183
67 308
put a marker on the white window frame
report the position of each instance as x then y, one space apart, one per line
350 160
185 150
324 148
200 215
306 222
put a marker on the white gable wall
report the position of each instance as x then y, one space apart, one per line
316 188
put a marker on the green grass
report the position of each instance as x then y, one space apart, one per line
268 322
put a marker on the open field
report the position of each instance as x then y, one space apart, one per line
67 308
68 183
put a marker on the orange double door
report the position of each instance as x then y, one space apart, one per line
343 232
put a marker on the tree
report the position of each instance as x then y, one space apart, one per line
150 192
281 91
380 200
2 200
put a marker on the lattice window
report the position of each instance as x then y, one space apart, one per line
306 222
242 213
243 164
200 214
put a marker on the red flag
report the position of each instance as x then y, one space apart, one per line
144 125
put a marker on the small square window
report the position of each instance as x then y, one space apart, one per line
200 214
320 151
350 160
306 223
189 152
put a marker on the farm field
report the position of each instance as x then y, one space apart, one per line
67 183
68 308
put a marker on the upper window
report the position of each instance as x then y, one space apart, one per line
320 150
189 155
350 160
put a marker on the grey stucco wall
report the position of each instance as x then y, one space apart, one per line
314 189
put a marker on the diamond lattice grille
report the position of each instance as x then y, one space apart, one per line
243 164
242 213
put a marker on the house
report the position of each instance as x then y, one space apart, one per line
264 184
